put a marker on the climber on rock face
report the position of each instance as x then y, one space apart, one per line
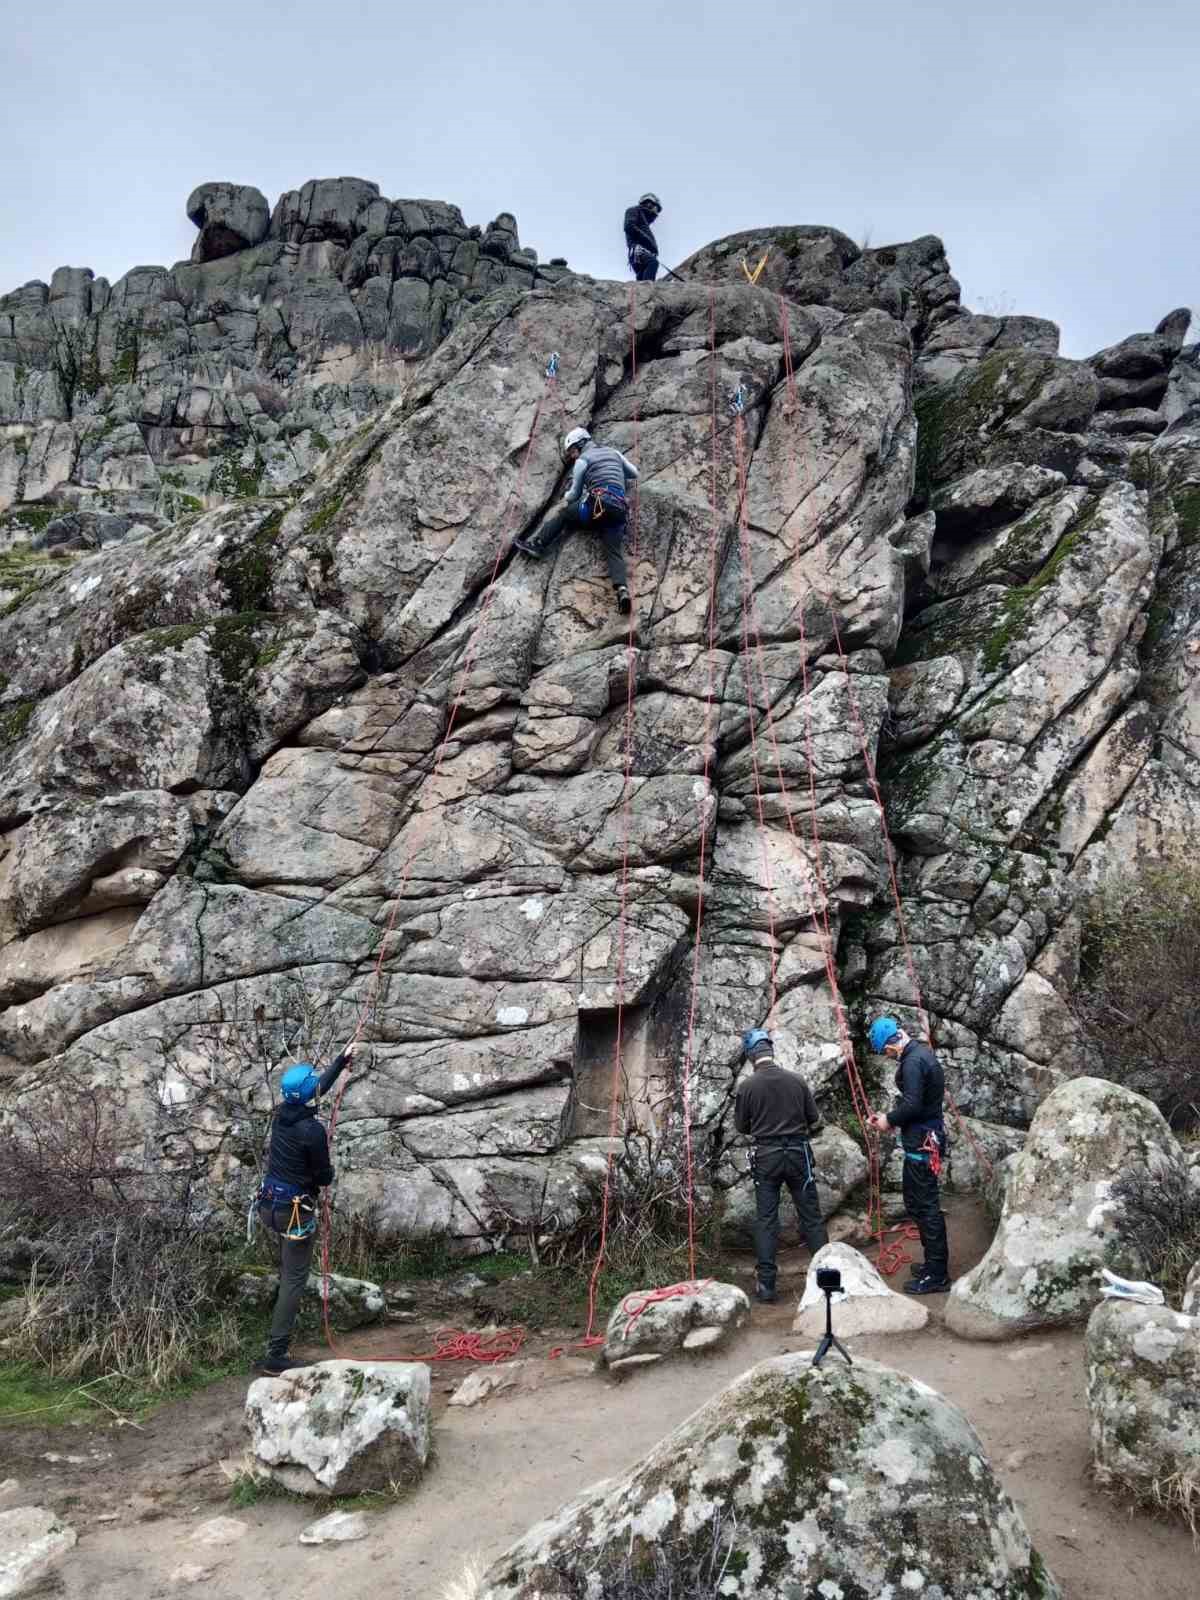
777 1110
639 237
298 1165
918 1116
595 499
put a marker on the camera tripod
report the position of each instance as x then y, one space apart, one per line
829 1342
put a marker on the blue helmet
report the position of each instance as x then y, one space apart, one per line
299 1083
753 1037
883 1031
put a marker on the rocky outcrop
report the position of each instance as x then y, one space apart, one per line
341 1427
232 375
813 1460
1058 1225
1143 1376
332 710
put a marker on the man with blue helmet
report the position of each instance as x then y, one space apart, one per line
917 1114
298 1166
777 1110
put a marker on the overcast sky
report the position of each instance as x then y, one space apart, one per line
1052 144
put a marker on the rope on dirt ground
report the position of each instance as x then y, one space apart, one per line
451 1344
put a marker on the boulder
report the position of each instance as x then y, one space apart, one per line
341 1427
1143 1377
32 1543
840 1165
864 1303
230 216
1058 1225
789 1483
699 1320
353 1302
1191 1293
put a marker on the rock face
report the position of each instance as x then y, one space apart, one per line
1057 1226
175 389
341 1427
864 1304
816 1463
1143 1376
32 1543
642 1326
245 740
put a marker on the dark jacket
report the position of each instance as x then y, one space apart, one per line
921 1085
775 1104
639 232
299 1152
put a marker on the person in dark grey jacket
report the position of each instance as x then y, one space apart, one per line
298 1168
777 1110
639 237
596 499
917 1113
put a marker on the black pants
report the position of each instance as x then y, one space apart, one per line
295 1259
922 1201
645 267
775 1165
566 518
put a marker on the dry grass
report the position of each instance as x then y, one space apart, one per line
1179 1496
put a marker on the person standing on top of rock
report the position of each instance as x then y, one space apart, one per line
777 1110
298 1166
918 1115
639 237
595 499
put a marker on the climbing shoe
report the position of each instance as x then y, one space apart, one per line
928 1286
765 1296
624 603
528 547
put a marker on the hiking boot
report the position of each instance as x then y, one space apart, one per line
928 1285
277 1362
764 1295
528 547
624 603
919 1274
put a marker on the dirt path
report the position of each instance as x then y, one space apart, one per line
505 1464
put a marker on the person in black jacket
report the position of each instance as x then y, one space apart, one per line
917 1113
298 1167
776 1108
639 237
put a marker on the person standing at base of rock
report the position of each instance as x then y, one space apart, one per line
639 237
298 1168
917 1114
595 499
777 1110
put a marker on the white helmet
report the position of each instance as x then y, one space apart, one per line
649 199
577 437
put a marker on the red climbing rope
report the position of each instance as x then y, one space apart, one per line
449 1344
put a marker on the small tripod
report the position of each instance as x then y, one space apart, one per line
829 1342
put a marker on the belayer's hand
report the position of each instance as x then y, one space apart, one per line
348 1052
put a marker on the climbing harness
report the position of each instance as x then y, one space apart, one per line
603 507
300 1206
